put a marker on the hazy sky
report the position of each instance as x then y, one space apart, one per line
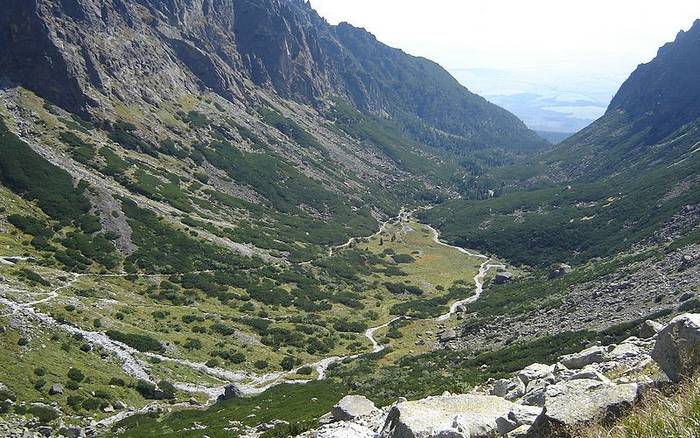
507 46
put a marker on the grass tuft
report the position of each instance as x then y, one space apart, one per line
657 416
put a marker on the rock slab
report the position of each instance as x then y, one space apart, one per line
577 402
677 349
458 416
351 407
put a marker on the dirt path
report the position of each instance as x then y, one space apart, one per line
135 365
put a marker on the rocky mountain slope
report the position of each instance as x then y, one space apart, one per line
619 182
539 400
82 54
652 119
184 190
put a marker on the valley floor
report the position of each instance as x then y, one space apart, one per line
46 317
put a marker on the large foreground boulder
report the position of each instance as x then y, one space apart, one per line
458 416
578 402
677 349
351 407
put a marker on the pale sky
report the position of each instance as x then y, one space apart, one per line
498 47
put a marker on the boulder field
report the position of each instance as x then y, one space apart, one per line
600 382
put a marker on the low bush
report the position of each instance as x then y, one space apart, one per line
143 343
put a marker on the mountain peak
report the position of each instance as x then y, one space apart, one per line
663 93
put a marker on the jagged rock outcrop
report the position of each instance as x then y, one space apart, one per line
664 92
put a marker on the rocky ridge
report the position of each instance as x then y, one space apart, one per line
538 401
91 56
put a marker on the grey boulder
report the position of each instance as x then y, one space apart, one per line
351 407
56 389
448 335
344 430
230 391
677 349
536 371
578 402
586 357
454 416
509 389
649 329
517 417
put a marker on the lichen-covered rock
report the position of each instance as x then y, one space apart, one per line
533 372
578 402
588 373
344 430
517 417
509 389
677 349
455 416
625 350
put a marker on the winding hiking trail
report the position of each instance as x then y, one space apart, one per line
369 334
134 362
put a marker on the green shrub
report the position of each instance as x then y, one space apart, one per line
116 381
350 326
305 370
44 414
403 258
76 375
168 389
400 289
288 363
33 276
143 343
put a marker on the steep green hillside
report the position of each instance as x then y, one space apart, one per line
622 180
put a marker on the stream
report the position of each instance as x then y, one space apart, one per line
248 383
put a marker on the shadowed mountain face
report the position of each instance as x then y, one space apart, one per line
664 93
654 118
79 52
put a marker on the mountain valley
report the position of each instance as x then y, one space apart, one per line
221 217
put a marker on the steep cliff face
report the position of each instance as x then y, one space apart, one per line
84 53
30 56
